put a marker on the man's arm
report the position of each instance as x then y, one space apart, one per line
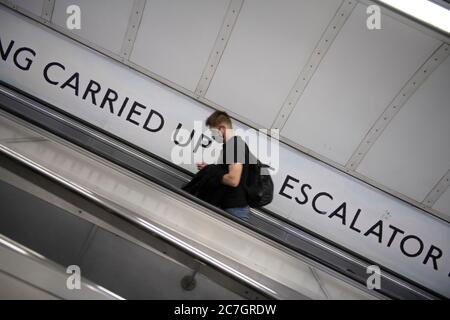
233 177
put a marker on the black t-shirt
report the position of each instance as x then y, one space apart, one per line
234 151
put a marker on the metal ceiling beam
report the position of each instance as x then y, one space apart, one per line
132 29
47 10
228 24
438 190
396 104
324 43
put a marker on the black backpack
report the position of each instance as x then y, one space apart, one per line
259 187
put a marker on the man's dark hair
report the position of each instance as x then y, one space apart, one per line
217 118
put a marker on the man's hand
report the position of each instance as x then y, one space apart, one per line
201 165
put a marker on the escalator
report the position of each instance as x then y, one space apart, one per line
137 238
266 258
67 230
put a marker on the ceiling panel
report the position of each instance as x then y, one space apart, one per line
443 204
103 22
356 80
34 6
413 153
175 38
269 45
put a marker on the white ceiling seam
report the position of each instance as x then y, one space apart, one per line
313 62
438 190
132 28
47 9
219 47
397 103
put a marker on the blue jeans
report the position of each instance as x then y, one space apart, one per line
240 212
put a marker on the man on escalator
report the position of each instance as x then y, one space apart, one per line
233 162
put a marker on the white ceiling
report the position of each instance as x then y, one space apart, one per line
175 38
34 7
356 80
270 44
413 153
103 22
264 57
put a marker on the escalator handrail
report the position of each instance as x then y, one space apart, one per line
185 175
280 291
